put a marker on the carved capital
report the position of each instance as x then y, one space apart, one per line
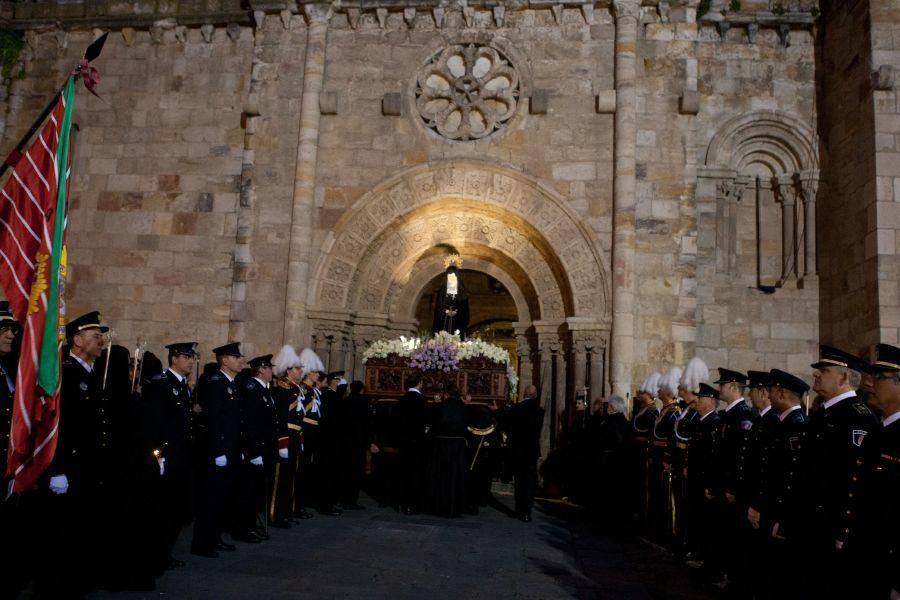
318 14
626 9
729 189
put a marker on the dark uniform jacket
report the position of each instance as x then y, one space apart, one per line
221 417
760 458
882 508
84 450
734 435
169 404
523 424
835 464
258 427
682 432
289 411
642 425
662 432
703 453
6 405
786 469
413 414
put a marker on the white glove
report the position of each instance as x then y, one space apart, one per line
59 484
221 461
283 452
162 466
256 461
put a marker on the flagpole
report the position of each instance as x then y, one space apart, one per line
90 53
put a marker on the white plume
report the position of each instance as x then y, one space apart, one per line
310 361
695 372
670 380
651 384
285 359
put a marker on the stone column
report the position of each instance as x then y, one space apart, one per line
548 346
597 348
787 196
627 13
300 250
523 348
810 187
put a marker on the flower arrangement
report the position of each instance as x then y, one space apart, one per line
435 355
443 353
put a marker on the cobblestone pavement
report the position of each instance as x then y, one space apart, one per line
379 553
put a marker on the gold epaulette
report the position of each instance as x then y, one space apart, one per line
681 445
294 426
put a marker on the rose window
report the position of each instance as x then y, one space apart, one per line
467 92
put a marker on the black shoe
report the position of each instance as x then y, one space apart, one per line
280 524
174 563
204 553
330 511
302 515
223 547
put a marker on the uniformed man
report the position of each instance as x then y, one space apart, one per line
412 414
782 515
168 401
10 515
259 446
702 482
760 454
289 408
331 389
644 416
220 414
695 373
312 458
882 489
81 468
662 491
734 432
834 468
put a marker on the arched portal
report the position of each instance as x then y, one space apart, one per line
393 240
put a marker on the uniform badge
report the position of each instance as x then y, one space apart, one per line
230 391
794 443
857 435
83 386
174 392
746 425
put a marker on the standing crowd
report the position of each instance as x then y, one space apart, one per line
767 491
141 453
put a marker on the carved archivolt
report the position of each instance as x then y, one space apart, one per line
467 91
491 213
775 141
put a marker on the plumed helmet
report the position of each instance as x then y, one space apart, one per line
310 361
285 359
695 373
670 380
651 384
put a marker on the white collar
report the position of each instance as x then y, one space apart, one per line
229 378
262 383
733 404
785 414
87 366
838 398
707 414
763 412
888 420
177 376
414 389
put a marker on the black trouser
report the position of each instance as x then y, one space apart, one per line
352 471
525 483
281 505
213 504
412 474
18 544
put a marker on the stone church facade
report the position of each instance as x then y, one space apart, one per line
650 179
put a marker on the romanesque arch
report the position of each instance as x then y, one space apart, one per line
463 202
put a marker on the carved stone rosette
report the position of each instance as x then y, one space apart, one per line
467 91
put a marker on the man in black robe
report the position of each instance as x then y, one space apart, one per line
523 424
354 441
412 414
447 473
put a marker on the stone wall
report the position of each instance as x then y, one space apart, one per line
701 254
154 200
